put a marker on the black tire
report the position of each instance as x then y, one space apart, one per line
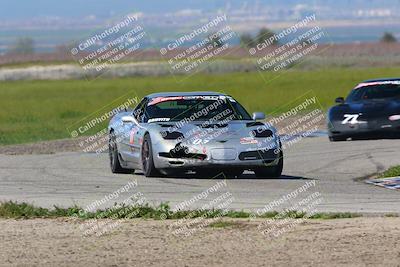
115 162
147 158
337 138
271 171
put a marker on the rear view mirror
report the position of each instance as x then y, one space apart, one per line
339 100
258 116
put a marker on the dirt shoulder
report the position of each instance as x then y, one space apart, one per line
59 242
45 147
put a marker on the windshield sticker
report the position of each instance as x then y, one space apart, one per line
158 119
377 83
158 100
204 97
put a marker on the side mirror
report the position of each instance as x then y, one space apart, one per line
128 119
258 116
339 100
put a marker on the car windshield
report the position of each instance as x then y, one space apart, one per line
375 92
194 108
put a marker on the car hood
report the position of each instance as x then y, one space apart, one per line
220 130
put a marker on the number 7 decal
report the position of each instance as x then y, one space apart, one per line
351 119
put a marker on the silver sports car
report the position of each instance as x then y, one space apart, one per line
203 132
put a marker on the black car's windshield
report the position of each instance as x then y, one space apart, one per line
194 108
375 92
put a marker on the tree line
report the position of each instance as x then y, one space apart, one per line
26 45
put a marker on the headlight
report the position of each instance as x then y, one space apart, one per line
394 118
172 135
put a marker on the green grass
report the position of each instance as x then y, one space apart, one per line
391 172
16 210
223 224
335 215
42 110
392 215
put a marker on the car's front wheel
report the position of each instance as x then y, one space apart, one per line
149 170
271 171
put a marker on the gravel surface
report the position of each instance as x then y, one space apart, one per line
342 242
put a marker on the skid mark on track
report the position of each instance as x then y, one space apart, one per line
379 166
335 162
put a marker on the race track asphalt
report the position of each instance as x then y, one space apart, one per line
67 179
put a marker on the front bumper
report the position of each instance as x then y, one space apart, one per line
366 128
216 156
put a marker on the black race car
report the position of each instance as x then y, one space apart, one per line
371 110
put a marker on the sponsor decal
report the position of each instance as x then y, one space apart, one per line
201 141
132 135
248 141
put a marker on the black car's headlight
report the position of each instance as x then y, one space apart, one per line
172 135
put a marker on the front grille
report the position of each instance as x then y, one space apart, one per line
182 155
257 154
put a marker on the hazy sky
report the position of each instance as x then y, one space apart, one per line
19 9
33 8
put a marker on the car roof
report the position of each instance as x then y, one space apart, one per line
194 93
381 80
